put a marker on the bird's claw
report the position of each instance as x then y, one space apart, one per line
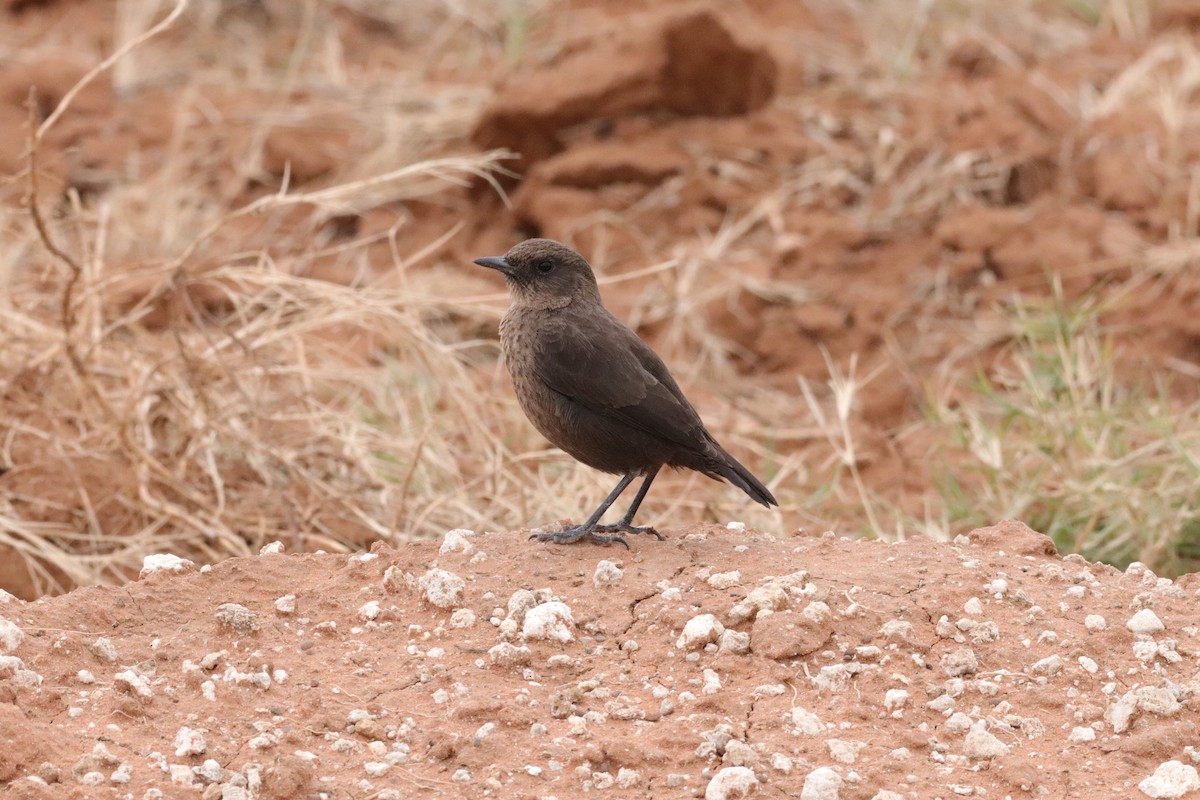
577 532
625 527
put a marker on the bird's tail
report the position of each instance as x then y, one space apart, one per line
729 468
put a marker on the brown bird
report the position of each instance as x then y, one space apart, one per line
595 389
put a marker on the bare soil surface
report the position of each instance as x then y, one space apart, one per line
720 663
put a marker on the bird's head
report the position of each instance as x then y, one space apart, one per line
543 273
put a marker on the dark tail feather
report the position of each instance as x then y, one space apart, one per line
731 470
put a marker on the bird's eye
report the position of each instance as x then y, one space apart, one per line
545 266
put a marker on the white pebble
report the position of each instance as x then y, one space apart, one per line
842 751
165 562
1094 622
725 580
551 620
731 783
134 683
1048 666
1081 734
286 604
1145 621
189 742
973 607
607 574
272 549
441 588
455 541
805 722
699 631
823 783
894 699
1171 779
10 636
982 744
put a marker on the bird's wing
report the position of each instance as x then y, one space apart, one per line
613 373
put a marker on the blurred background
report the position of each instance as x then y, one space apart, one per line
922 266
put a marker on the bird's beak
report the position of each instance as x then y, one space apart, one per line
496 263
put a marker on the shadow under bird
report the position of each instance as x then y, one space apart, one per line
594 389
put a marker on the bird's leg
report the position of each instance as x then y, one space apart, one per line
626 524
588 529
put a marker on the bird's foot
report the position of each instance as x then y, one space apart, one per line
576 532
625 527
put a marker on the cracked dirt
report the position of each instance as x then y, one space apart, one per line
719 663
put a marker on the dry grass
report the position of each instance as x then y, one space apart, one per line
175 387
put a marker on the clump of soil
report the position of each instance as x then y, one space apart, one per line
721 663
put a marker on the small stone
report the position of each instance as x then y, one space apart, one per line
607 574
973 607
699 631
1081 734
770 597
823 783
507 654
1171 779
165 562
740 754
894 699
1145 622
736 642
817 613
980 744
132 683
442 588
189 742
628 778
551 620
960 662
943 704
731 783
455 541
725 580
958 723
842 751
237 618
805 722
10 636
286 605
1051 665
462 618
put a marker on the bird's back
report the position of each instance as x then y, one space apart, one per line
596 390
